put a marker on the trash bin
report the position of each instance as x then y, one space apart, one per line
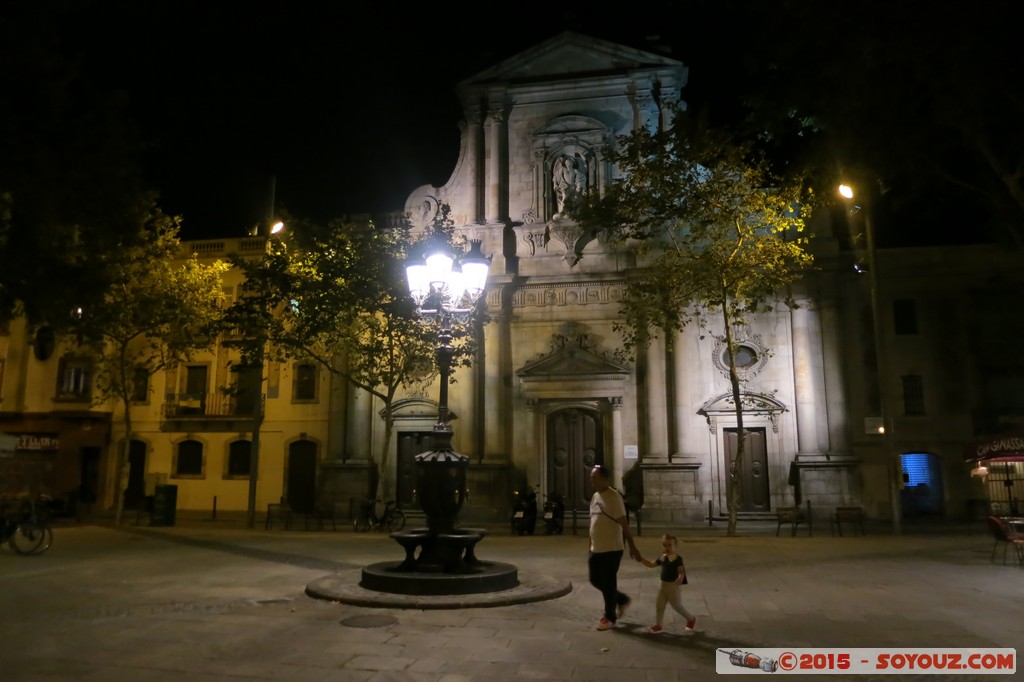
165 501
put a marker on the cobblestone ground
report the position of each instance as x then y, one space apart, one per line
215 602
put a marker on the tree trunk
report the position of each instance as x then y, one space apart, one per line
741 434
383 488
123 470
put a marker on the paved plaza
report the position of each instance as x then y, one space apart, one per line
207 601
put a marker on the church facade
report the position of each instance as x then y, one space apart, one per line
550 393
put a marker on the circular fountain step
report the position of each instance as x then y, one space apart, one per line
491 576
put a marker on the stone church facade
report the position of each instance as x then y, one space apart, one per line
550 393
553 396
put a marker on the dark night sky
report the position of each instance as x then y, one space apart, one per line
349 108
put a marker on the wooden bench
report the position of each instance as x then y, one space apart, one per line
794 516
852 515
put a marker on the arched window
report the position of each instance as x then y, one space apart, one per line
239 457
188 460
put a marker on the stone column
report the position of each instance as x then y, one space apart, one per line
809 381
656 403
618 461
671 374
837 427
475 157
337 422
493 388
495 148
359 432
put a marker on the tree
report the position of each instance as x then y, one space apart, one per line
337 294
156 313
718 232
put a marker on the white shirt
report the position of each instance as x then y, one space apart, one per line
606 533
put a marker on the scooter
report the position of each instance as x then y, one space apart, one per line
554 513
524 513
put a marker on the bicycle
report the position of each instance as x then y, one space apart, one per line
392 520
26 530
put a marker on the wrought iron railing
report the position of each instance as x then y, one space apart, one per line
206 405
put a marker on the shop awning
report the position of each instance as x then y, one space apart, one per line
1003 447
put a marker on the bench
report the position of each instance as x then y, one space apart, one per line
794 516
850 515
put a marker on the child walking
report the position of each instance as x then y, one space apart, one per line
673 574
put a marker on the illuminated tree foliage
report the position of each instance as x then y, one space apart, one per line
719 236
337 294
156 313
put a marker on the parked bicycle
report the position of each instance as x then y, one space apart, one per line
25 529
391 520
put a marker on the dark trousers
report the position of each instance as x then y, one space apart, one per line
604 572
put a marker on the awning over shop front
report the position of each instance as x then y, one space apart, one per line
1003 447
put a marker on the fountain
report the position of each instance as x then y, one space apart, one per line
446 562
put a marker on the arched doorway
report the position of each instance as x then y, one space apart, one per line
301 493
574 445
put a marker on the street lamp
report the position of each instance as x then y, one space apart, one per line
273 227
446 287
895 469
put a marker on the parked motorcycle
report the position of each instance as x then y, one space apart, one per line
554 513
524 513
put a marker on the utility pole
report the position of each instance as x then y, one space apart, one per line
269 228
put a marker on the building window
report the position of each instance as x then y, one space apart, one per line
745 356
73 379
913 395
140 385
305 382
188 460
239 457
904 316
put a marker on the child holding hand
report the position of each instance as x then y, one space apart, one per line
673 574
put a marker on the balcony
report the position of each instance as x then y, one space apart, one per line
217 411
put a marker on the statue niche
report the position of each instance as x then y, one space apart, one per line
569 182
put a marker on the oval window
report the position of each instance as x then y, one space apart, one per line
746 357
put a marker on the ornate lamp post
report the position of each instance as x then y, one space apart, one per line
446 288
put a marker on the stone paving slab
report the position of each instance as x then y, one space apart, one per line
222 603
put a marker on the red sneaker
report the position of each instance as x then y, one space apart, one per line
655 629
691 624
605 624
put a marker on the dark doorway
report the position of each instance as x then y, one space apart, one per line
753 475
301 493
135 493
410 444
574 446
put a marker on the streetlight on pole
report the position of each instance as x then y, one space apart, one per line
259 358
894 469
446 288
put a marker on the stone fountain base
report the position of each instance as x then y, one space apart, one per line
446 564
388 576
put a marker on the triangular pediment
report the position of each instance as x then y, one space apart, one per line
571 361
571 55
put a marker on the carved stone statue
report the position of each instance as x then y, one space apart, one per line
569 180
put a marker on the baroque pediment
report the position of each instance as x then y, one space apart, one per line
570 358
571 55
